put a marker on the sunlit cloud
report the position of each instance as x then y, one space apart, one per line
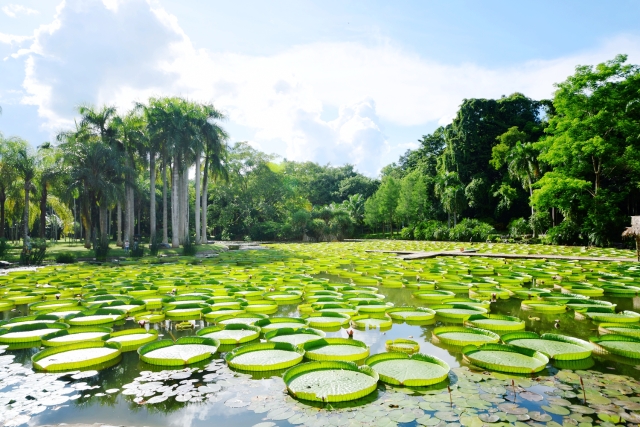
13 10
280 97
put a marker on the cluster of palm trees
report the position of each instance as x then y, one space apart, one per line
103 163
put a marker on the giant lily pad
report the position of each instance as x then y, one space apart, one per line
506 358
554 346
88 354
269 356
31 333
272 323
411 313
401 369
335 349
294 336
462 336
620 329
234 333
76 334
496 322
184 351
132 339
330 381
622 345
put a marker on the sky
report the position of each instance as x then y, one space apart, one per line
335 82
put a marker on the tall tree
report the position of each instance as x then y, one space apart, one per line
25 163
591 139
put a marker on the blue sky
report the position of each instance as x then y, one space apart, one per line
330 81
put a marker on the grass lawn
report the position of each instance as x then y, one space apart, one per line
78 249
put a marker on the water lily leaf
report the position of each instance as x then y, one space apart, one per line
512 408
531 396
449 417
555 409
489 418
540 416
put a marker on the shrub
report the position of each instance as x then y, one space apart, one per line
137 251
519 227
101 250
154 246
66 258
34 254
471 230
407 233
188 248
431 230
540 221
4 248
565 233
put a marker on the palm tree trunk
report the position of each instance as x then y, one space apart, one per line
185 194
132 215
185 203
197 200
125 224
85 217
3 199
165 225
152 197
175 206
180 206
104 233
205 192
25 215
43 211
119 224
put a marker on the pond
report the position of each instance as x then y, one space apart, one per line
362 290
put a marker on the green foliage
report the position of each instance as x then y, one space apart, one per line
565 233
33 252
154 246
66 258
137 251
471 230
188 248
101 250
519 227
4 248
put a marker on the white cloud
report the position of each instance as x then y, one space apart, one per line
81 58
13 10
12 38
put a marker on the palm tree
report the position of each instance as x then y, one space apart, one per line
95 170
451 192
355 206
7 178
25 165
215 150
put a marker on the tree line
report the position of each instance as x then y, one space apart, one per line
564 170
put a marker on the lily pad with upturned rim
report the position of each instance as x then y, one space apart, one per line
418 370
88 354
294 336
335 349
234 333
132 339
402 345
461 336
269 356
621 345
184 351
75 334
554 346
330 381
496 322
506 358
